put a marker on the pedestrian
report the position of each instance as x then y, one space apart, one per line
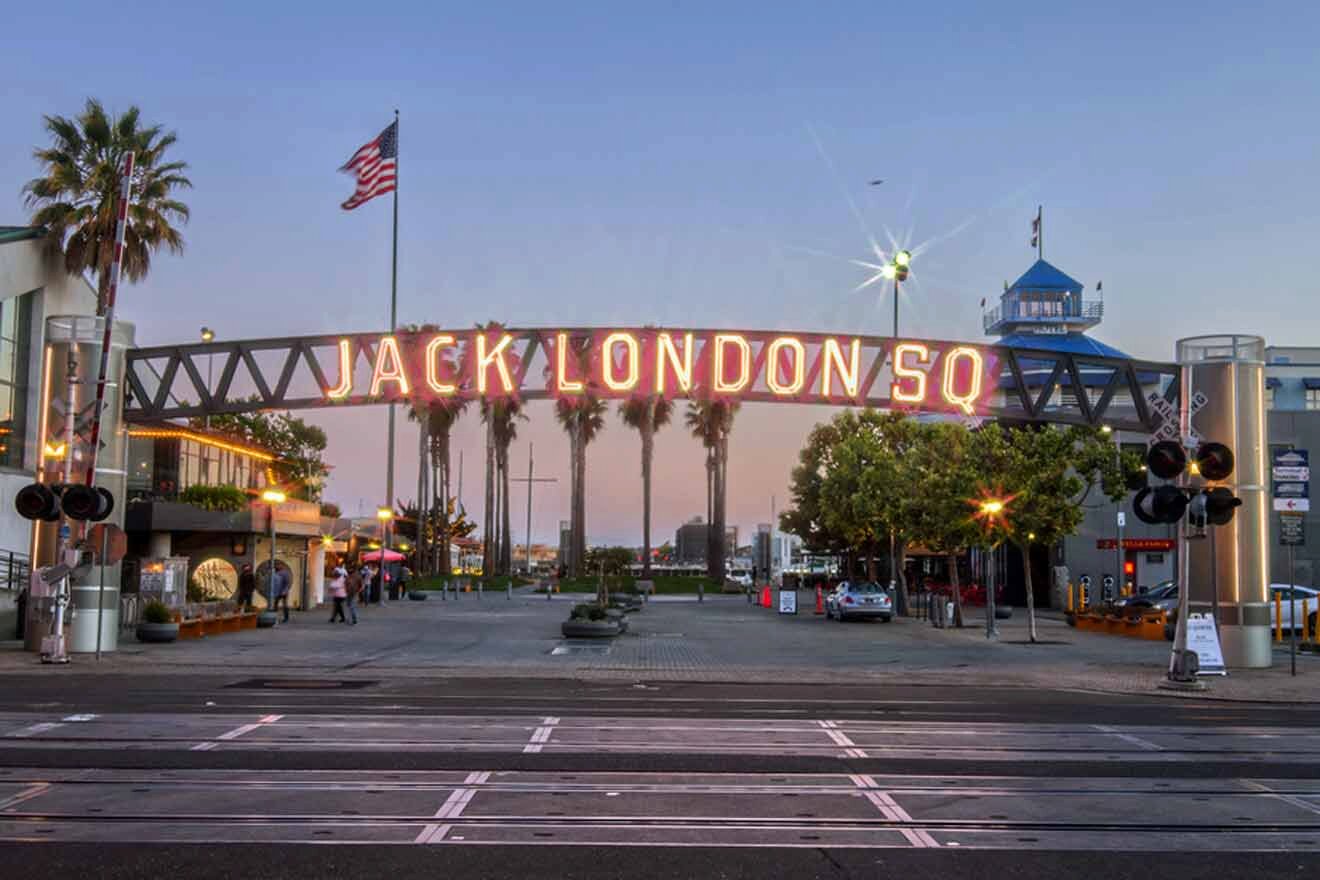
279 588
339 592
352 588
247 587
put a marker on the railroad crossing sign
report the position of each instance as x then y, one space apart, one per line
1169 428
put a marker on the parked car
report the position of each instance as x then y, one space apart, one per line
1149 597
832 596
1292 611
864 601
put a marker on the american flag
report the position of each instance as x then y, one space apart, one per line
374 165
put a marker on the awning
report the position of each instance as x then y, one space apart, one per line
1311 383
1273 382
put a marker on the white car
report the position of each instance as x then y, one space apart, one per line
741 578
1292 611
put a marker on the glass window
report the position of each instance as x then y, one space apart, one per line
1313 398
1269 398
14 351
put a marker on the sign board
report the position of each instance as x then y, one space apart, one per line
1292 532
1292 505
116 543
1146 544
1291 490
1122 519
1291 460
787 601
1204 640
1294 474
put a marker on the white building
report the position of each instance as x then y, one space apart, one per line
33 287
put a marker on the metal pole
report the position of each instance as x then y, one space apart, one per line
270 575
1119 576
100 592
1214 581
529 509
895 307
1292 611
394 322
992 631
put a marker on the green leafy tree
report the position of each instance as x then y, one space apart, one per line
76 196
647 414
945 485
298 446
1044 474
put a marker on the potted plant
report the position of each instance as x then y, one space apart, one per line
157 624
590 620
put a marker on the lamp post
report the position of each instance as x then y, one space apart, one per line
990 510
384 515
207 335
271 497
897 269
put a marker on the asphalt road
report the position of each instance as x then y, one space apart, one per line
234 775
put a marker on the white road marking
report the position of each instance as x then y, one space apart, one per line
78 718
890 809
34 729
850 748
1286 798
1129 738
27 794
541 735
452 808
235 733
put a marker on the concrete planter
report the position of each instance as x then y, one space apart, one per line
417 595
267 619
1003 612
157 633
616 616
589 629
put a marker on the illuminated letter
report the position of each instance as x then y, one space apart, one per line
902 371
495 356
391 372
850 374
630 343
564 384
951 396
666 354
744 363
345 386
444 340
799 366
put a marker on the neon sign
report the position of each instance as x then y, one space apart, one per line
612 363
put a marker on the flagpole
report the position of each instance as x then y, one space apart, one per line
1040 229
394 318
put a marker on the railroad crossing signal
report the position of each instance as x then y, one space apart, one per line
1167 459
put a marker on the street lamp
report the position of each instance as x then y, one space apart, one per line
384 515
272 497
897 269
990 508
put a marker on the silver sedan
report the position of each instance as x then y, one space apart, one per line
851 601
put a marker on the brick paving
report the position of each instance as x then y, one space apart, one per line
721 639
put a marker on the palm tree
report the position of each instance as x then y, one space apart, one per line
76 197
711 421
502 416
417 412
583 418
441 416
647 415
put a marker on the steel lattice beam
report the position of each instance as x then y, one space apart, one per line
1021 384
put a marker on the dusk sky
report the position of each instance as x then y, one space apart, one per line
699 164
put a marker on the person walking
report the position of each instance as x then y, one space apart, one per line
247 587
279 588
352 588
339 592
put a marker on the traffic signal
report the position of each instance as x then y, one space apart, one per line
1166 459
1219 505
1214 461
37 501
1160 505
74 500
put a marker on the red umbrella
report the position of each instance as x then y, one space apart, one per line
390 556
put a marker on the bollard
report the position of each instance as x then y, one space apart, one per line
1306 619
1070 598
701 591
1278 616
548 592
509 594
481 589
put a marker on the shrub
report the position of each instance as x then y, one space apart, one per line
588 611
225 499
156 612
